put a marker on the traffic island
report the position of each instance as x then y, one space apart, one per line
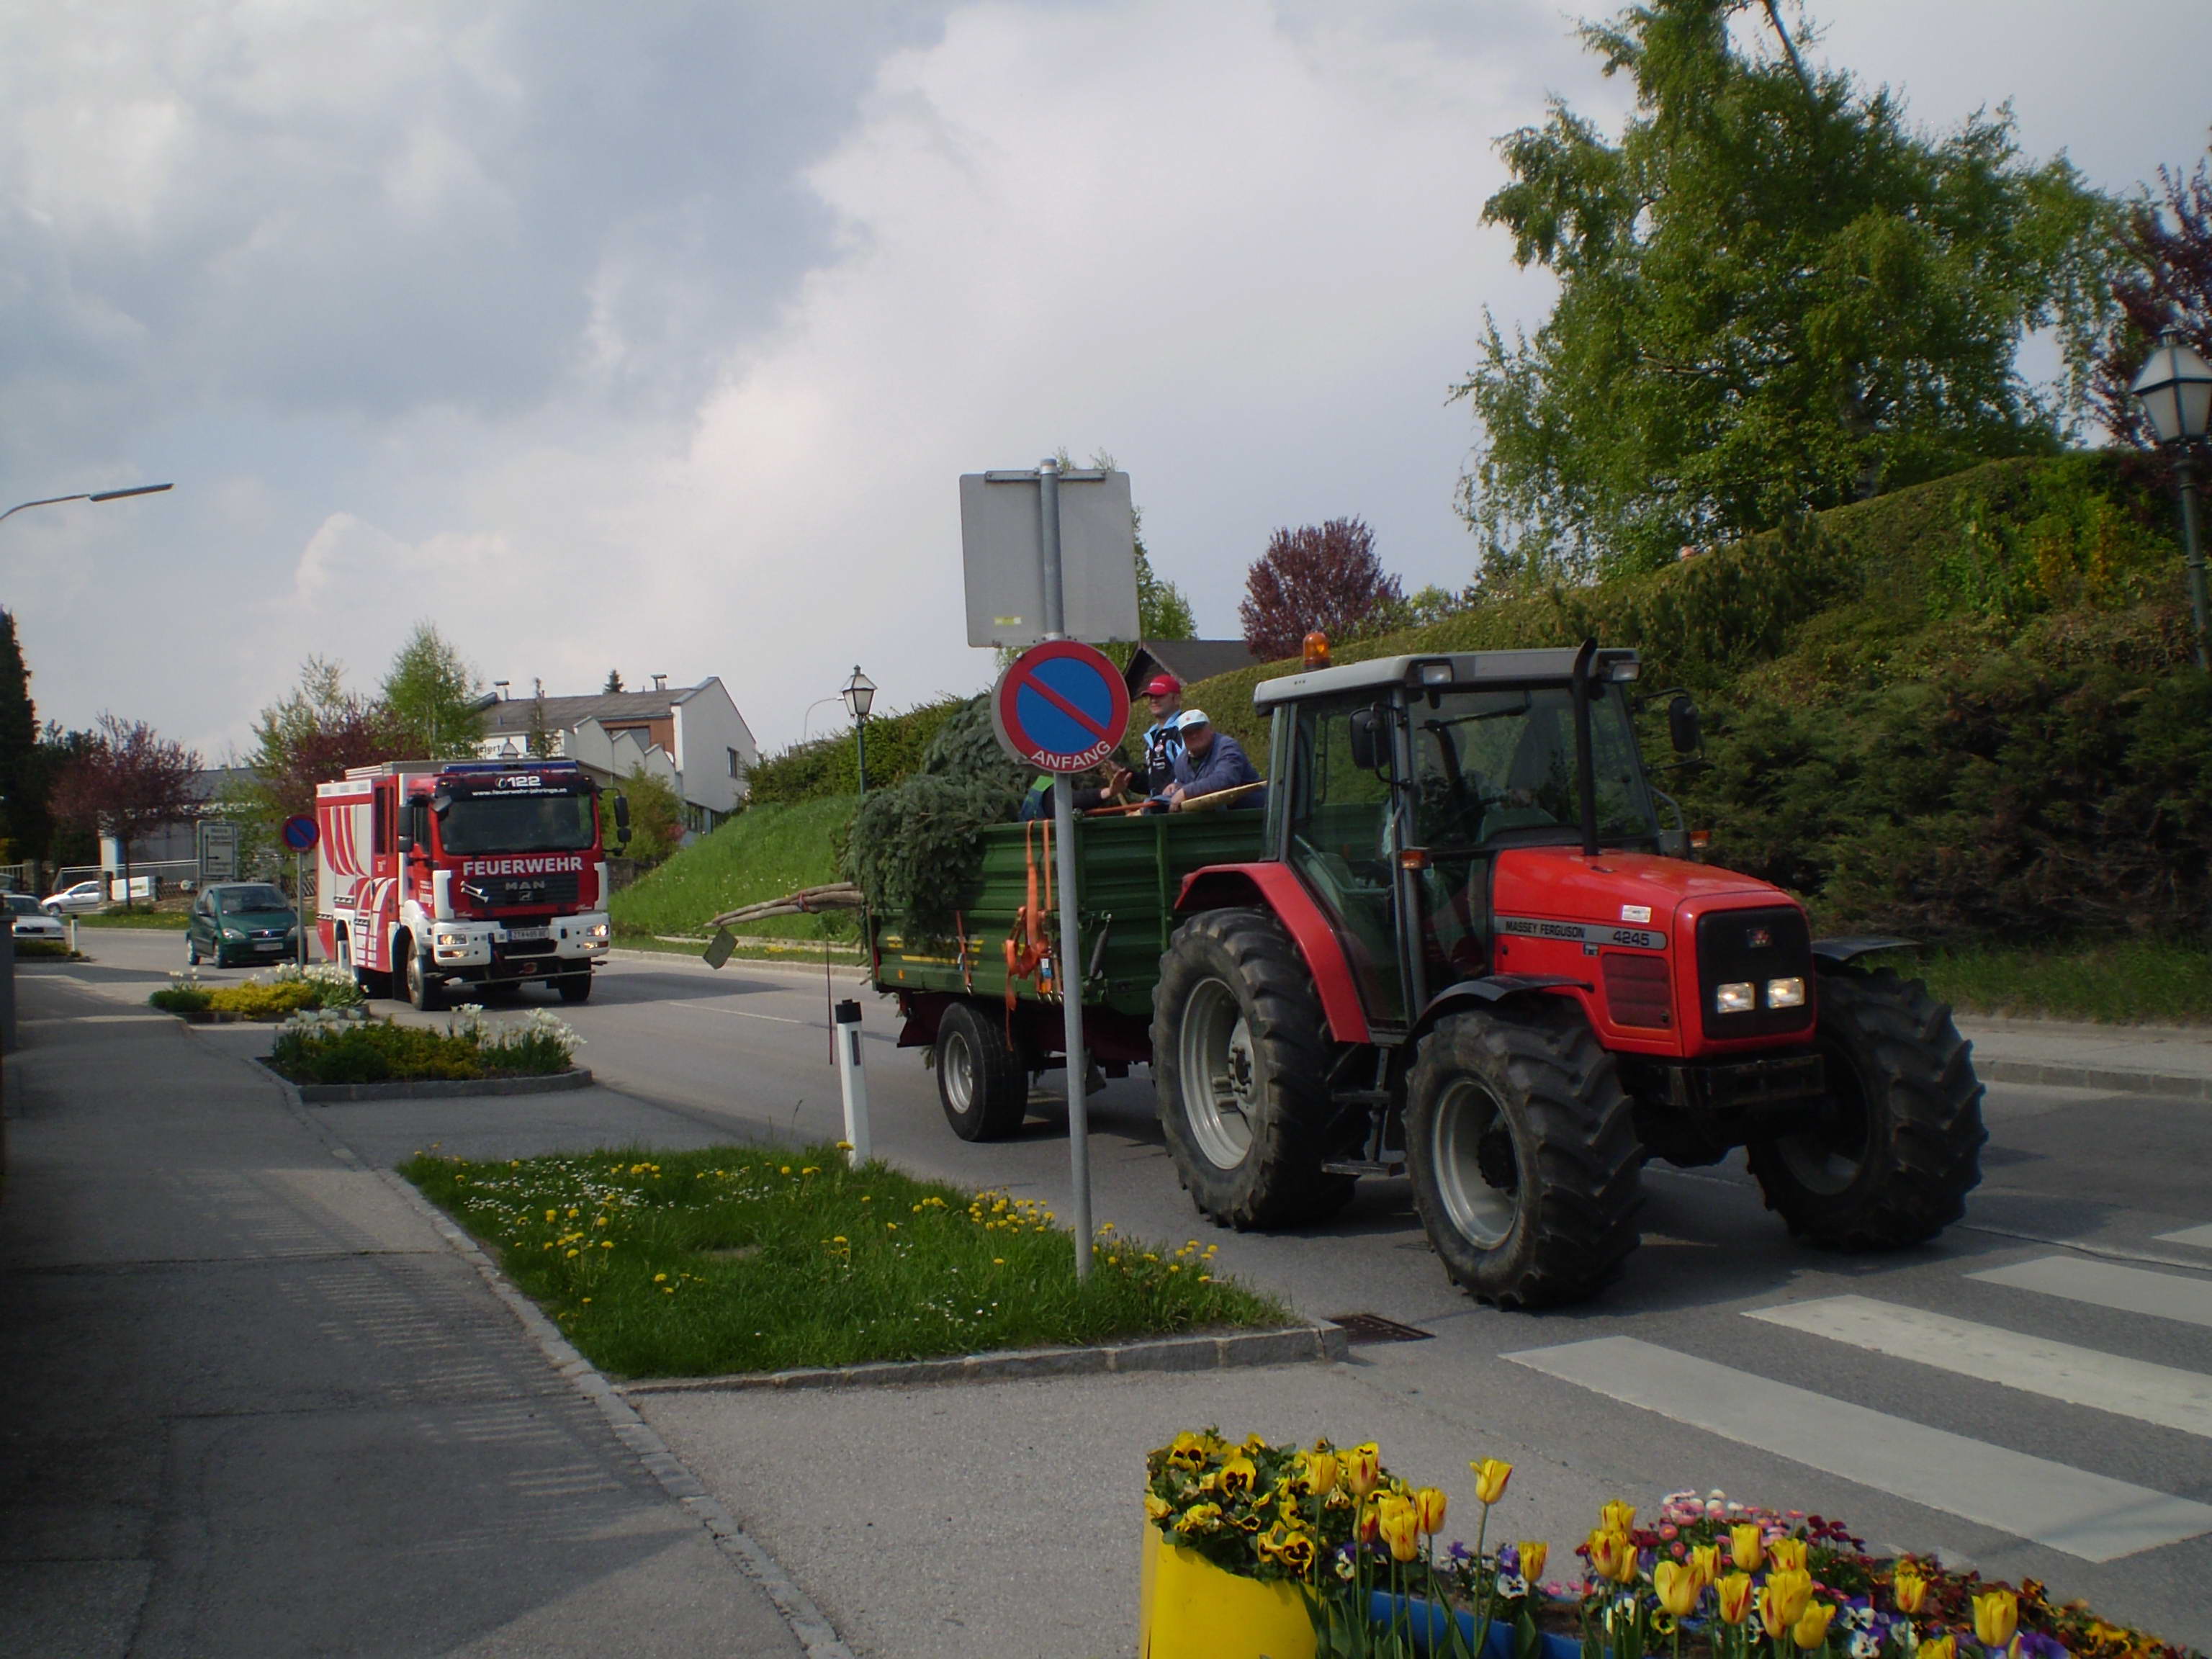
740 1266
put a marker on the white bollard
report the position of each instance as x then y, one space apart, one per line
852 1079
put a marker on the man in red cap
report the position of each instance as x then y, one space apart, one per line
1163 741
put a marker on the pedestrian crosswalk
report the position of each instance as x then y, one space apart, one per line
2086 1514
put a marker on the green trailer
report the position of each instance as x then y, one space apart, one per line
953 993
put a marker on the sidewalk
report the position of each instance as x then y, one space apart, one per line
251 1402
2152 1060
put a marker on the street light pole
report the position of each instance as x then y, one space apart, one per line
860 696
98 495
2175 390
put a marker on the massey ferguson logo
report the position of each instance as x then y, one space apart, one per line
520 866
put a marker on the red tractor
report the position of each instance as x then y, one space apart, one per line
1470 949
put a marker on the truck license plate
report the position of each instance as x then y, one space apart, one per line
529 932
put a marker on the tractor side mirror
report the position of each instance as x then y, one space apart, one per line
1683 729
1370 739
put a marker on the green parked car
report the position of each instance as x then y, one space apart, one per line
240 922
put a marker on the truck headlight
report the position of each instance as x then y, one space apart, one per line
1785 993
1735 999
597 930
452 941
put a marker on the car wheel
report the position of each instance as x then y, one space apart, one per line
192 952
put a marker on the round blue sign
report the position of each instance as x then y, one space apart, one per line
301 834
1062 706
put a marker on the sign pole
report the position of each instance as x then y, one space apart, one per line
299 901
1069 969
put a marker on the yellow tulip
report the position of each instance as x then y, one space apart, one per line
1781 1600
1677 1587
1490 1478
1909 1590
1362 1468
1534 1553
1812 1628
1321 1472
1735 1594
1705 1561
1938 1647
1429 1506
1747 1546
1788 1553
1996 1615
1401 1531
1618 1516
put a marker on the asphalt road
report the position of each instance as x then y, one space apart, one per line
2032 1393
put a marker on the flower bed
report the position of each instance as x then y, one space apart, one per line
759 1258
284 991
336 1045
1708 1579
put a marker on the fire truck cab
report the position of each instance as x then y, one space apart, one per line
479 873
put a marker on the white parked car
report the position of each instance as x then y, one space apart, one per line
74 900
31 920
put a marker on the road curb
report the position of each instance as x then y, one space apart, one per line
808 1624
2172 1085
1322 1342
324 1094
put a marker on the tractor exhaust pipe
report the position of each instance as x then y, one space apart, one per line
1585 761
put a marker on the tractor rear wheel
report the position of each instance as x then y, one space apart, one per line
1522 1150
981 1082
1898 1146
1240 1073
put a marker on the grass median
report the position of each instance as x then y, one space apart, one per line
2132 981
761 1258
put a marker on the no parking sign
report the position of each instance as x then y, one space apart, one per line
1060 707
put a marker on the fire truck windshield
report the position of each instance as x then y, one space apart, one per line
517 823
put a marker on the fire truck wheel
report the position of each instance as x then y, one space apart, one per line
981 1082
1240 1073
574 987
423 992
1522 1151
1900 1147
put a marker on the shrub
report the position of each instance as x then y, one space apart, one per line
257 1000
181 1000
335 1047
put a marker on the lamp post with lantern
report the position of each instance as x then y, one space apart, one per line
2175 390
859 694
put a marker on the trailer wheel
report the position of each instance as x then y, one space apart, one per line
980 1081
1522 1150
1240 1073
423 992
1899 1147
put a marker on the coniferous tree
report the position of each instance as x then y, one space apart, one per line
24 818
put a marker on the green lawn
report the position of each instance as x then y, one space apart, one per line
2129 982
763 852
169 921
761 1257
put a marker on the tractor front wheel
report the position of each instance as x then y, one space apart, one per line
1522 1151
1240 1068
1897 1146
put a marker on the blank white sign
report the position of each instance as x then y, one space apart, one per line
1002 546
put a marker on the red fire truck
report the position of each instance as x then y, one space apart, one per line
432 874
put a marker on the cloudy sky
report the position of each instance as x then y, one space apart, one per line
655 337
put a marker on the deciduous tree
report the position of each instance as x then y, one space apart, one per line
310 736
1775 293
127 782
433 695
656 817
1325 576
2166 282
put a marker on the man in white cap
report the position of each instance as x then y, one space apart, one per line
1211 761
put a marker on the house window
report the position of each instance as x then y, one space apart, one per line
737 766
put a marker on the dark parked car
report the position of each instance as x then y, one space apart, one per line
241 921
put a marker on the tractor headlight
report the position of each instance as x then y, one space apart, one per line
1735 999
1785 993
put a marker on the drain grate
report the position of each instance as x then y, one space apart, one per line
1364 1327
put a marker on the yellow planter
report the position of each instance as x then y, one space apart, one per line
1191 1609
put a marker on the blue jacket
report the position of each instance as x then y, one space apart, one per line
1224 767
